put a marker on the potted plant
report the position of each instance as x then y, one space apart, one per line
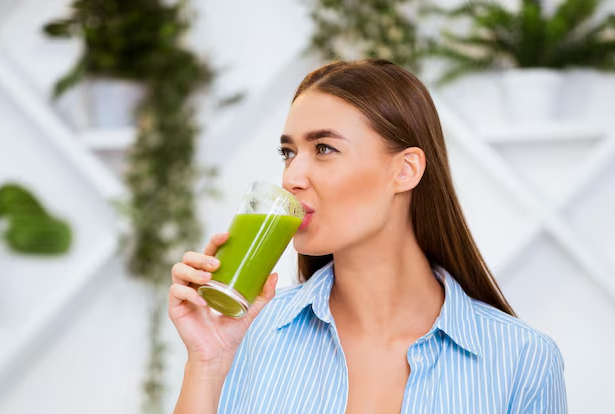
121 42
530 46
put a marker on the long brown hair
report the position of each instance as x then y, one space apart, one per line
399 108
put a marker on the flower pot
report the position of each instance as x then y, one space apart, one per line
111 102
478 98
530 95
588 96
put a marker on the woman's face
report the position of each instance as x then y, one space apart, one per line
339 168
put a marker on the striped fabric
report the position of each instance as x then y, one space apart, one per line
474 360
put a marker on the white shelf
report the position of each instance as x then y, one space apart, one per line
555 131
108 139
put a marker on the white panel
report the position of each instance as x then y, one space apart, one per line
97 365
592 215
498 223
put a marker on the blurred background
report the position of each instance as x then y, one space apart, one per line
130 129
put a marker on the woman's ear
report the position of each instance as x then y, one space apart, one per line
411 164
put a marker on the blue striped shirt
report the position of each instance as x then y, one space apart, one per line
475 359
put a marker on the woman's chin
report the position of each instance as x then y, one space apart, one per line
305 246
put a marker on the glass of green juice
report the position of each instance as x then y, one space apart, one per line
267 220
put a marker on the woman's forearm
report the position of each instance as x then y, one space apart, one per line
201 389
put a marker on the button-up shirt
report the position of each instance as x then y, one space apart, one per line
474 360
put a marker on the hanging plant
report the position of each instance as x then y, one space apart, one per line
121 38
528 38
142 39
347 29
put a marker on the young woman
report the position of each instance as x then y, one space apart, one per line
397 311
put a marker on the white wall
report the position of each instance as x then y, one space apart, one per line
95 364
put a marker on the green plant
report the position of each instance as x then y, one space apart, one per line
122 39
142 39
347 29
32 230
528 38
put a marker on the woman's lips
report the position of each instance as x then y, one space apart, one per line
306 220
309 212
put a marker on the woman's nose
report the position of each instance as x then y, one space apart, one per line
296 175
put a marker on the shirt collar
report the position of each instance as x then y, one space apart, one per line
315 292
457 318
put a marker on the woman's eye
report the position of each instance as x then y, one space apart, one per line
323 149
286 153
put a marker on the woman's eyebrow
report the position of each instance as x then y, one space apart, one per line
314 135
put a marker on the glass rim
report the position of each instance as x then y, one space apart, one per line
295 208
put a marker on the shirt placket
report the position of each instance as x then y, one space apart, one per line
341 361
422 357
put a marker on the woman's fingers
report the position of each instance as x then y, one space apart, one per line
183 274
179 293
263 298
206 261
201 261
215 242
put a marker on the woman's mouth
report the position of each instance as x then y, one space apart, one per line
306 221
309 212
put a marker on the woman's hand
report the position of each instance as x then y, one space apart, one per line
211 339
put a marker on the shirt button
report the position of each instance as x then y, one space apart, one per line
417 357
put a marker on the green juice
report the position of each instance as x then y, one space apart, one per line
254 246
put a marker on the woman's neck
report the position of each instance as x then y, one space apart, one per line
385 287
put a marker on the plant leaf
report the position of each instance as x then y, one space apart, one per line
71 78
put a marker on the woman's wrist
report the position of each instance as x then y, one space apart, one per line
211 370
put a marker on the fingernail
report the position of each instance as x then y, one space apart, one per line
203 275
214 262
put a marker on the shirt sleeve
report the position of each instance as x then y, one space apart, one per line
551 398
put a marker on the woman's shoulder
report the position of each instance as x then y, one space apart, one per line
271 314
507 332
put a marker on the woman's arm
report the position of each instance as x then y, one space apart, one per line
201 389
211 340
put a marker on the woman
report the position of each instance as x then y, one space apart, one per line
398 311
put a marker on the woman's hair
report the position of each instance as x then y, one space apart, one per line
399 108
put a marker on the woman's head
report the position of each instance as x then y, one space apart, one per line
341 168
364 148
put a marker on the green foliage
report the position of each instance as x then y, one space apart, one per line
41 235
31 229
122 39
16 200
569 37
371 28
142 40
